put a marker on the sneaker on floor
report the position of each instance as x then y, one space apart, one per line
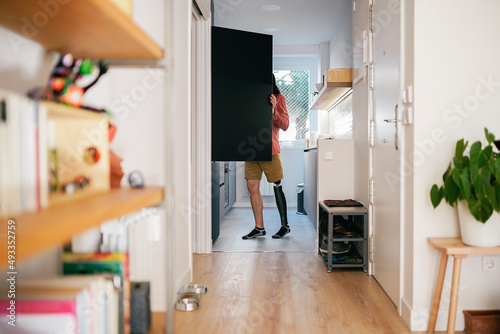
282 232
256 232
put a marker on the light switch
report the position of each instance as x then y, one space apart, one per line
328 155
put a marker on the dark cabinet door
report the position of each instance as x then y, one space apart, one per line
241 86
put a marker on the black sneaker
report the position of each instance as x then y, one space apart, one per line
256 232
282 232
337 247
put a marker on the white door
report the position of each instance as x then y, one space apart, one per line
385 153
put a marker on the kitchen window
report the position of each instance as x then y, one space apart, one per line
294 85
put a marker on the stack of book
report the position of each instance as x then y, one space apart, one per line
24 184
114 264
73 305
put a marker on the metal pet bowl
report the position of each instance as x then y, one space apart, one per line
197 289
187 304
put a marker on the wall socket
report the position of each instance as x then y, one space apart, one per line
490 263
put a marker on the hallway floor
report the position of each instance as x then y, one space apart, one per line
274 293
239 221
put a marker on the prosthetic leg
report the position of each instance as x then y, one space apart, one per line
281 204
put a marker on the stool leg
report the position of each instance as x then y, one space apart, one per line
437 293
452 316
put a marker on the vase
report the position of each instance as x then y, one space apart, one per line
475 233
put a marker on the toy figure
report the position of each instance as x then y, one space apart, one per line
67 83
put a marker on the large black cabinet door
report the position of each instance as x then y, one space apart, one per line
241 86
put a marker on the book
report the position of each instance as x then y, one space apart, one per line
98 263
100 300
11 190
23 153
47 311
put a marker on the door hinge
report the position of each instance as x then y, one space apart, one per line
370 249
371 137
371 17
371 191
371 74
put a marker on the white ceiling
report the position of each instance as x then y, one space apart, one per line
300 22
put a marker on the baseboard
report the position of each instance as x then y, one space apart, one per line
406 312
415 319
185 279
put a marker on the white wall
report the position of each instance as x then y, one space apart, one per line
457 93
340 44
134 96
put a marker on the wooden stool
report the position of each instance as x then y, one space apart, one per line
456 248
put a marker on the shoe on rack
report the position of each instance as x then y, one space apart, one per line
337 247
256 232
282 232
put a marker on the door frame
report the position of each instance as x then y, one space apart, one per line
200 138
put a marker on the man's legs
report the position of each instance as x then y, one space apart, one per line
257 207
256 201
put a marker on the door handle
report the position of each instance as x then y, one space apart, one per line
396 130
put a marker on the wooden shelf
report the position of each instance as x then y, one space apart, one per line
337 83
39 231
85 28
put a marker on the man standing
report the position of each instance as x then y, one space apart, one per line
273 170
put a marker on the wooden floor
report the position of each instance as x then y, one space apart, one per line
272 293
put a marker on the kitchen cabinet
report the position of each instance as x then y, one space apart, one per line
336 84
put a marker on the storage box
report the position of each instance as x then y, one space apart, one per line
482 322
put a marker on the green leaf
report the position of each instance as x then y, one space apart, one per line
451 190
465 162
484 156
490 137
460 148
485 181
462 180
480 209
492 196
461 162
447 174
475 150
497 194
475 177
466 185
497 169
436 195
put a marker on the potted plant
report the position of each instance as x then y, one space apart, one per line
472 182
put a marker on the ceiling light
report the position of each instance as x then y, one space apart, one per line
270 30
270 8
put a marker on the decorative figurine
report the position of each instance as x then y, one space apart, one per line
69 80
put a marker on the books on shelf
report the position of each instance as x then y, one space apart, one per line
76 305
23 147
116 264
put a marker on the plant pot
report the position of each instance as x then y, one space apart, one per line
475 233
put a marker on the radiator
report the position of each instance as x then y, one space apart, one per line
266 188
142 235
147 256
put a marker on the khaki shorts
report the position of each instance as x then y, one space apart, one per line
273 169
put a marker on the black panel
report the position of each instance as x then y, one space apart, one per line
241 86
